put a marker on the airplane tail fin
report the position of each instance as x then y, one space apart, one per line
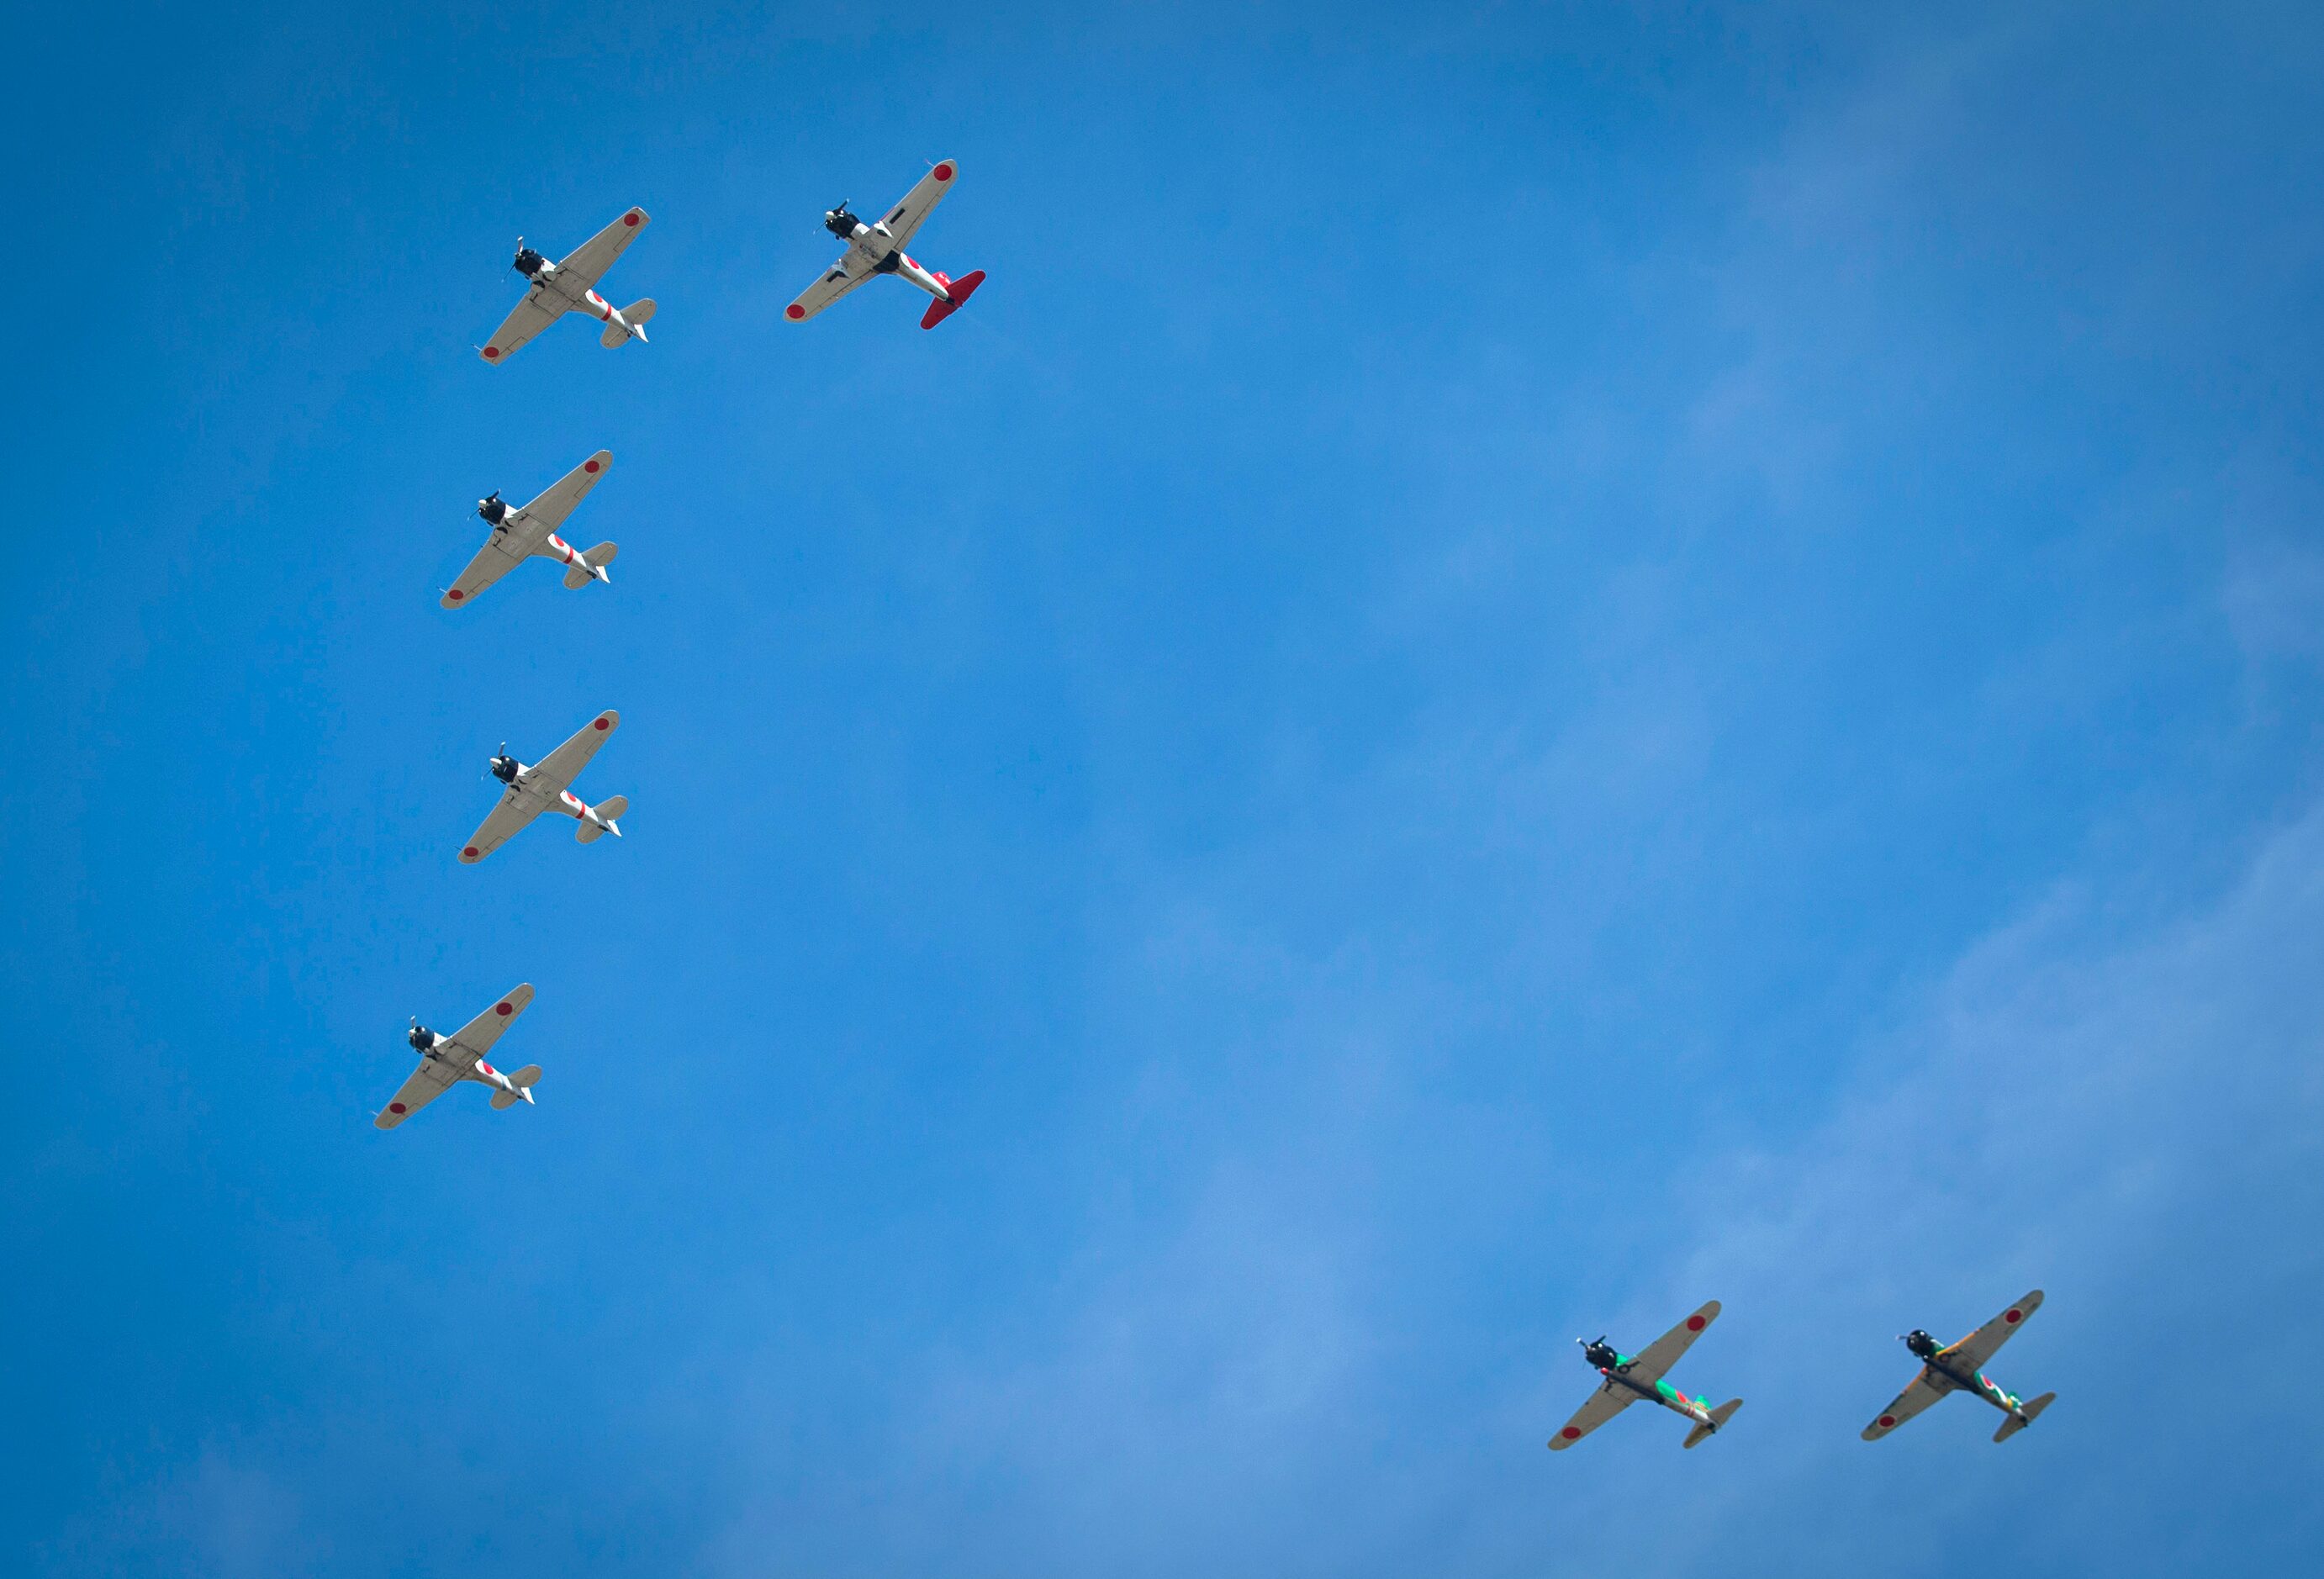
959 289
608 810
591 566
2027 1412
636 314
1719 1417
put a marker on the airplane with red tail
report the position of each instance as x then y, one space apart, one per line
878 248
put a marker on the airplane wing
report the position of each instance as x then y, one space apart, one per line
906 217
1603 1405
1981 1345
477 1037
584 264
493 561
536 312
836 283
1927 1389
1663 1354
431 1080
563 765
548 513
511 814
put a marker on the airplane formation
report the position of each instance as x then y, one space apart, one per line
531 531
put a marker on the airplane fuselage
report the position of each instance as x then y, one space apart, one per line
530 538
1943 1374
873 247
553 293
525 791
1657 1391
476 1070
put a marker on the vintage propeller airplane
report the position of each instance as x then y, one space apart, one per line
1632 1377
541 787
1962 1369
568 286
879 249
531 530
447 1060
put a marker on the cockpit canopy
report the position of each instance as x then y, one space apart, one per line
841 222
1922 1345
528 262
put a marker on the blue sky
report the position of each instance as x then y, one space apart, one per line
1522 667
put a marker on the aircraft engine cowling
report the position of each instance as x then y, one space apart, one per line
1923 1346
505 769
492 509
527 262
422 1039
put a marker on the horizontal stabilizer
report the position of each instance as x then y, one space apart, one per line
636 313
960 290
612 808
525 1076
577 576
2027 1413
505 1099
1719 1417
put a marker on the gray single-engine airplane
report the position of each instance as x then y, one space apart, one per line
1632 1377
1962 1369
447 1060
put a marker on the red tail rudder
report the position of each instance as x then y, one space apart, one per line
959 289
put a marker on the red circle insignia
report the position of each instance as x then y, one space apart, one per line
590 467
2013 1318
1572 1433
396 1107
1695 1323
502 1009
604 724
631 218
943 172
794 311
492 353
470 852
1886 1421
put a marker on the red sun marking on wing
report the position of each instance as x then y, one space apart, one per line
1695 1323
492 353
503 1009
794 311
470 852
943 172
631 218
2013 1318
604 724
456 594
397 1107
590 467
1572 1433
1886 1421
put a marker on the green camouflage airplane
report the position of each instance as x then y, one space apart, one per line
1962 1369
1632 1377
